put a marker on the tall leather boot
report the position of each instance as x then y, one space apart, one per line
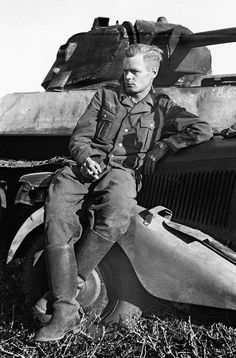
90 250
63 281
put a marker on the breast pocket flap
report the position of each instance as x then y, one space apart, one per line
147 123
106 115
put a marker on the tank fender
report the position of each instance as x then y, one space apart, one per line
3 199
35 180
33 221
178 267
37 218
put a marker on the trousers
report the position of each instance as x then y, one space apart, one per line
106 204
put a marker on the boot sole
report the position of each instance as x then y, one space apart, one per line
74 330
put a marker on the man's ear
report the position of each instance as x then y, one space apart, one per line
155 71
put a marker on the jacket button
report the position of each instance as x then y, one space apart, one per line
126 130
120 145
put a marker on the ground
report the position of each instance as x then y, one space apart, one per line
174 335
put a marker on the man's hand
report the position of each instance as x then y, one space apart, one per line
153 156
90 169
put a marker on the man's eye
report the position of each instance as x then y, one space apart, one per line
134 72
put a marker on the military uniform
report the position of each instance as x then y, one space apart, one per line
117 134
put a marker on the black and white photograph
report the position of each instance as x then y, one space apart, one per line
117 179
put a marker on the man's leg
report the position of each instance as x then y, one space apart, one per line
114 200
62 229
113 203
64 206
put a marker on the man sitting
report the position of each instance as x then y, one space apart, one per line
123 133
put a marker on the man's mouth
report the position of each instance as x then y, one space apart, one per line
129 84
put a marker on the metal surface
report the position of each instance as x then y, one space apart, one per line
42 113
168 264
195 196
35 180
97 56
209 37
56 114
33 221
174 268
198 185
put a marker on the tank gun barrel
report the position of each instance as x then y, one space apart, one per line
209 37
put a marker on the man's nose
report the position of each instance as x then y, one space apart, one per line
128 75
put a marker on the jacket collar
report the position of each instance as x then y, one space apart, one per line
148 99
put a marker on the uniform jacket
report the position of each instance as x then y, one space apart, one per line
115 132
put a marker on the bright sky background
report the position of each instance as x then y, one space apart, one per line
31 31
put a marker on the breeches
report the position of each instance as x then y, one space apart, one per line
107 203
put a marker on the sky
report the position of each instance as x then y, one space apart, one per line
31 31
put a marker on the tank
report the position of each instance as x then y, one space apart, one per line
35 127
94 58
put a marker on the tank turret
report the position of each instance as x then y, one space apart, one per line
96 56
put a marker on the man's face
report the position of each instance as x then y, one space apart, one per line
138 77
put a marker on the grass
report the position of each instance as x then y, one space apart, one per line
170 336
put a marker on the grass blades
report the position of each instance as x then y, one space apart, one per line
170 336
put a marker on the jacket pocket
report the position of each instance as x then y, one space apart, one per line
146 130
104 125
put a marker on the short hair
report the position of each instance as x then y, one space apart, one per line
151 54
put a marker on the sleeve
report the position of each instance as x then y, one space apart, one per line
181 128
80 140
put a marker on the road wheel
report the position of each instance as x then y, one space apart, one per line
97 298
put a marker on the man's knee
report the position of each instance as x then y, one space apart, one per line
65 191
113 216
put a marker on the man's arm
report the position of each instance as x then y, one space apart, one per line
80 141
181 129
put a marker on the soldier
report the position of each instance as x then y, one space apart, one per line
123 133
